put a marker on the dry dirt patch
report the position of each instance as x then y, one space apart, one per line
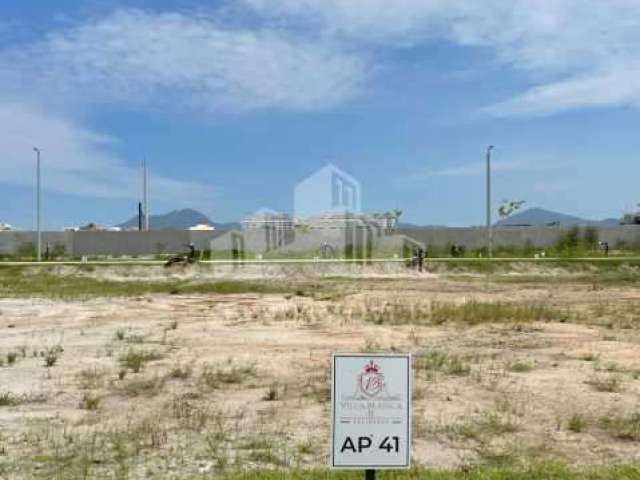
198 383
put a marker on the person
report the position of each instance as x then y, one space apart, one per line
192 251
420 259
605 248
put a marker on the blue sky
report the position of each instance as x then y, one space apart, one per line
233 102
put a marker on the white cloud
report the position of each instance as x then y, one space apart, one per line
473 169
615 88
177 60
77 161
574 50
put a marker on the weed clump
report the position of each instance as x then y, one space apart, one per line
440 361
134 360
520 366
89 402
51 355
623 427
216 376
577 423
606 383
11 358
8 399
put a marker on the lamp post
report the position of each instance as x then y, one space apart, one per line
489 226
37 150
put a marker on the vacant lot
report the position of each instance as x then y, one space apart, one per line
194 378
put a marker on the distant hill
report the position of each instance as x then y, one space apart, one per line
178 220
540 216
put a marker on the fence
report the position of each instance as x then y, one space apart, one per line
77 244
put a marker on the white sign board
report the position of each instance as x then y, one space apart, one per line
371 414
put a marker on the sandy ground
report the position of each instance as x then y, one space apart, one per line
516 390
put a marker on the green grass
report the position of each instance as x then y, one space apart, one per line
134 360
440 361
219 376
520 366
577 423
623 427
545 471
23 282
471 312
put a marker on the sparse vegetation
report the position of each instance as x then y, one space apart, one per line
180 372
90 378
8 399
440 361
11 358
520 366
487 425
51 355
217 376
134 360
577 423
89 401
624 427
21 282
606 383
489 387
471 312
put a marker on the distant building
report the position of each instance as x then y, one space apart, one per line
631 219
5 227
202 227
384 222
265 218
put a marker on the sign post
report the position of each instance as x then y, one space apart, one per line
371 412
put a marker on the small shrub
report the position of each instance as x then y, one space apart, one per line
215 377
180 372
623 427
439 361
51 356
577 423
89 402
520 366
606 383
11 358
122 373
134 360
90 378
148 387
488 425
137 338
8 399
589 357
173 325
120 334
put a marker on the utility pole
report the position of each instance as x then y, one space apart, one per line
37 150
489 226
145 194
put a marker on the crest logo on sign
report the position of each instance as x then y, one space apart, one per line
371 381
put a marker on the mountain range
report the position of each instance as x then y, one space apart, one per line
540 216
185 218
178 220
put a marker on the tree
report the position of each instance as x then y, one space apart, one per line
508 207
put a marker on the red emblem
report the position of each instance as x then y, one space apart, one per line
371 382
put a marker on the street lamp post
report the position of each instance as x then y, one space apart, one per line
37 150
489 226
